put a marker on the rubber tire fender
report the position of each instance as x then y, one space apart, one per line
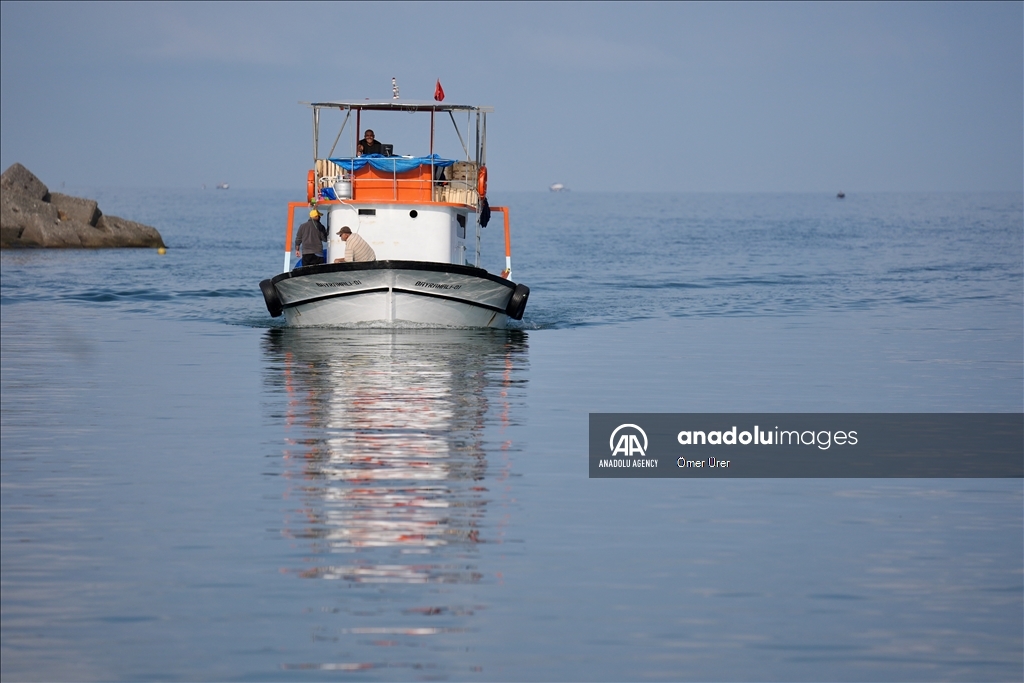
517 303
481 182
310 185
274 305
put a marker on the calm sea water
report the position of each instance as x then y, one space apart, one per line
192 492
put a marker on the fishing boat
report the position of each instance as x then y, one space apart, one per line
421 215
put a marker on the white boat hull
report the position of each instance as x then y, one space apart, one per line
395 293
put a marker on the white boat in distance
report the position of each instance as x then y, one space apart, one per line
419 214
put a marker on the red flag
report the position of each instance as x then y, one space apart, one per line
439 91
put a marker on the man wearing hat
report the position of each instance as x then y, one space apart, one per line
356 248
309 241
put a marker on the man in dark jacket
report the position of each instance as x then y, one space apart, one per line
309 241
369 145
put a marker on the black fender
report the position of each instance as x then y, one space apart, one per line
517 304
274 305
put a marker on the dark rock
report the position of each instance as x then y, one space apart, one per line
39 232
129 233
93 237
31 217
75 208
17 213
9 235
20 180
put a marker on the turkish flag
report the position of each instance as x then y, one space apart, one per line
439 91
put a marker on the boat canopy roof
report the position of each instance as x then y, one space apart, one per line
397 105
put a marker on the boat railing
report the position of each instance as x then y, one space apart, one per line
455 184
458 184
507 273
294 207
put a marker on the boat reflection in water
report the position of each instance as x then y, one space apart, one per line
396 438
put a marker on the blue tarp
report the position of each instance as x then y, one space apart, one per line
392 164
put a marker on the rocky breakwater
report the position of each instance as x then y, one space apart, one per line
32 216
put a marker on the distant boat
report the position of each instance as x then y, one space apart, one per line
841 195
558 187
222 186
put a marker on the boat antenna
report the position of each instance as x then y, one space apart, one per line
394 88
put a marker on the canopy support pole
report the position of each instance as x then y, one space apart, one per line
347 114
483 142
316 133
477 150
464 148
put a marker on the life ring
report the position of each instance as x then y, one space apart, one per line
310 185
481 182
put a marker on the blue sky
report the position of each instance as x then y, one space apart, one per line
633 96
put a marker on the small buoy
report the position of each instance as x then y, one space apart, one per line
162 250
